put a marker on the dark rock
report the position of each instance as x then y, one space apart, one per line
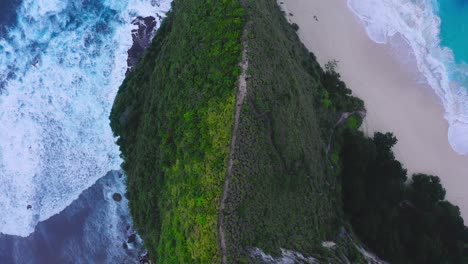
131 238
117 197
141 39
124 245
144 258
29 206
295 26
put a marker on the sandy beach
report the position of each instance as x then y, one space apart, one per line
396 99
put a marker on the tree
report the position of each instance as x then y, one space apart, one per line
426 190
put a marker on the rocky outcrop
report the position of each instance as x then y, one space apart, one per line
141 39
117 197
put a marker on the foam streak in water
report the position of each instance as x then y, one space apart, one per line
60 68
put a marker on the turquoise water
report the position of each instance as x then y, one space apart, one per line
454 27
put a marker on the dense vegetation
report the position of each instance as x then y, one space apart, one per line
401 221
404 223
174 116
284 193
295 168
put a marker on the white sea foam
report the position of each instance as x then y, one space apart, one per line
61 67
417 22
287 257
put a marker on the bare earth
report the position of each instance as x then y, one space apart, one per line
395 100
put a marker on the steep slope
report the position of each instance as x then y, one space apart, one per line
283 193
237 145
174 116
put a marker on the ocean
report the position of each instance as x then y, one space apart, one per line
92 229
61 64
435 32
7 14
454 27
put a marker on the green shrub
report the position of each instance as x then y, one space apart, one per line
174 117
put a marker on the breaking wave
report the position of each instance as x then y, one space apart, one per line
60 68
418 23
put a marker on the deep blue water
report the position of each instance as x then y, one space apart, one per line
7 13
91 230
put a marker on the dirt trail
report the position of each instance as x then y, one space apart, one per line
241 92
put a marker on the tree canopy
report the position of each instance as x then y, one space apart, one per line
403 222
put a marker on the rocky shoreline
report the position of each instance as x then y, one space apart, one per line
142 38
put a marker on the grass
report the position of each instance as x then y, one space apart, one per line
283 192
174 116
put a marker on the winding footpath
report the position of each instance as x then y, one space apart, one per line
241 93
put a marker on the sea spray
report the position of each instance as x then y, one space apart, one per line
60 68
418 23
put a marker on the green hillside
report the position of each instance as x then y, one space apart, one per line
174 116
288 180
284 192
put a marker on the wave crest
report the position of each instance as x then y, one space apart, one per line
417 22
62 64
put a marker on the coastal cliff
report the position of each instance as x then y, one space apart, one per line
236 142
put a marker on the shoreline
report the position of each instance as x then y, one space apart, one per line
395 100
